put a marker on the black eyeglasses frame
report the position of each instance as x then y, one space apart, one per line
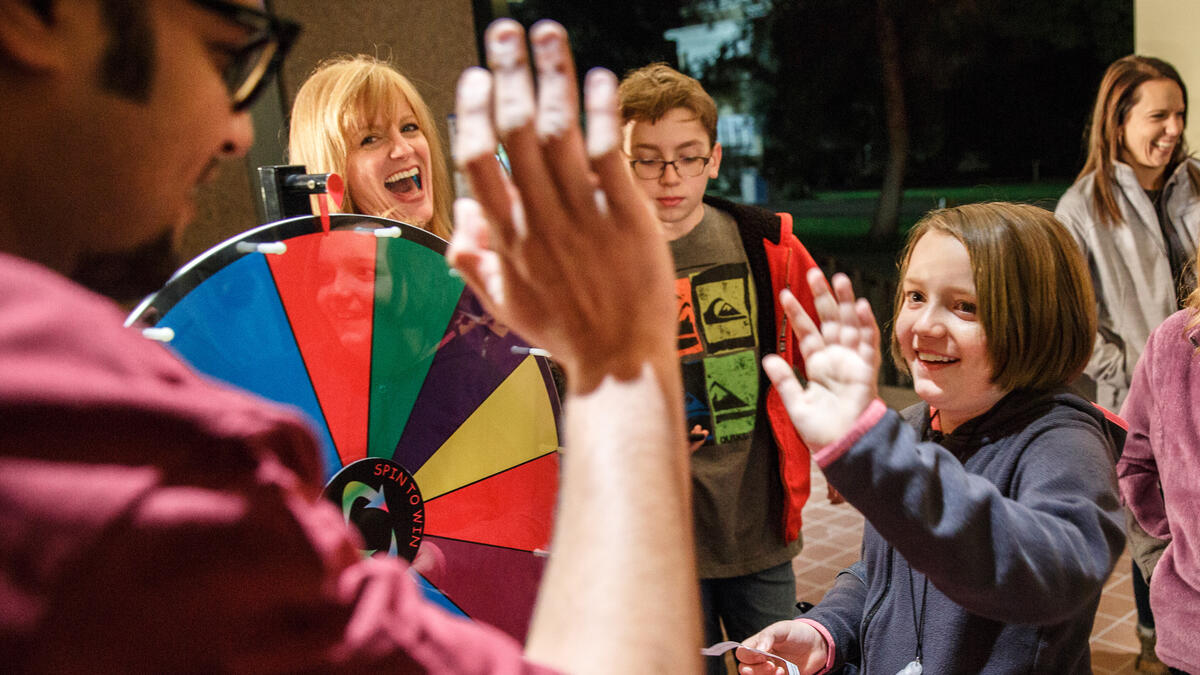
662 166
271 33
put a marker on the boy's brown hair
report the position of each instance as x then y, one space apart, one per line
648 93
1036 302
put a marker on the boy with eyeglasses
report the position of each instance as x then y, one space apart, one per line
154 521
750 473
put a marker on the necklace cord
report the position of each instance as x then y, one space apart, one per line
918 623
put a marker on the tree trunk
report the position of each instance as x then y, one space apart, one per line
887 212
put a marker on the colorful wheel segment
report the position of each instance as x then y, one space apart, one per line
438 430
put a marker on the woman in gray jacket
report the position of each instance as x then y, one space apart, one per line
1135 211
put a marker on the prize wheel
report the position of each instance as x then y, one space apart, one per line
438 429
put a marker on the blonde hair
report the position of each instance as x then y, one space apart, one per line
340 98
1193 299
1035 294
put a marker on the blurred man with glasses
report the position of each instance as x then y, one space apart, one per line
155 521
750 471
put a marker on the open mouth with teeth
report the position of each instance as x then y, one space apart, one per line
401 182
926 357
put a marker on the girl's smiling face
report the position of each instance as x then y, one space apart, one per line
939 332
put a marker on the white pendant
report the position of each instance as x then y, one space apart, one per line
913 668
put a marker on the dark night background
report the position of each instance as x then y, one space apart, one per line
872 112
989 90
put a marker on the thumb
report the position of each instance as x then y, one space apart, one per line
468 252
778 371
783 378
761 642
765 642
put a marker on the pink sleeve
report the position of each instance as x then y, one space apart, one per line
830 647
1137 469
832 452
256 577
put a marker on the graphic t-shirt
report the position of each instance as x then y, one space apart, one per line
737 494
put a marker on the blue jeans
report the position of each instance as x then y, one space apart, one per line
745 605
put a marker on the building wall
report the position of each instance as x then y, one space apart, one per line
1168 29
431 41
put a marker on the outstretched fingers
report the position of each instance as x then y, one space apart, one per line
837 308
471 255
869 339
618 194
825 304
808 336
475 154
558 115
849 333
515 111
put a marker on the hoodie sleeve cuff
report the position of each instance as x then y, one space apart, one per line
832 452
830 651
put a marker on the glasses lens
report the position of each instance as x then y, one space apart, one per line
253 65
250 71
647 169
690 167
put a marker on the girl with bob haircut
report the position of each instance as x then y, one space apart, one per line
1159 471
357 116
992 515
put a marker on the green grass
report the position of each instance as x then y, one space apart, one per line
1018 192
841 219
849 227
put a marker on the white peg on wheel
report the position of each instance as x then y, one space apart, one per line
532 351
389 232
158 334
269 247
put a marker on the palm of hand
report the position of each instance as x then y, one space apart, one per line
841 383
841 360
538 246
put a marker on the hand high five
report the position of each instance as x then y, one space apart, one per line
568 252
841 360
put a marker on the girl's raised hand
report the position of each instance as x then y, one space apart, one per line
841 360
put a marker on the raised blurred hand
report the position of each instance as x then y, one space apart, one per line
568 253
841 360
